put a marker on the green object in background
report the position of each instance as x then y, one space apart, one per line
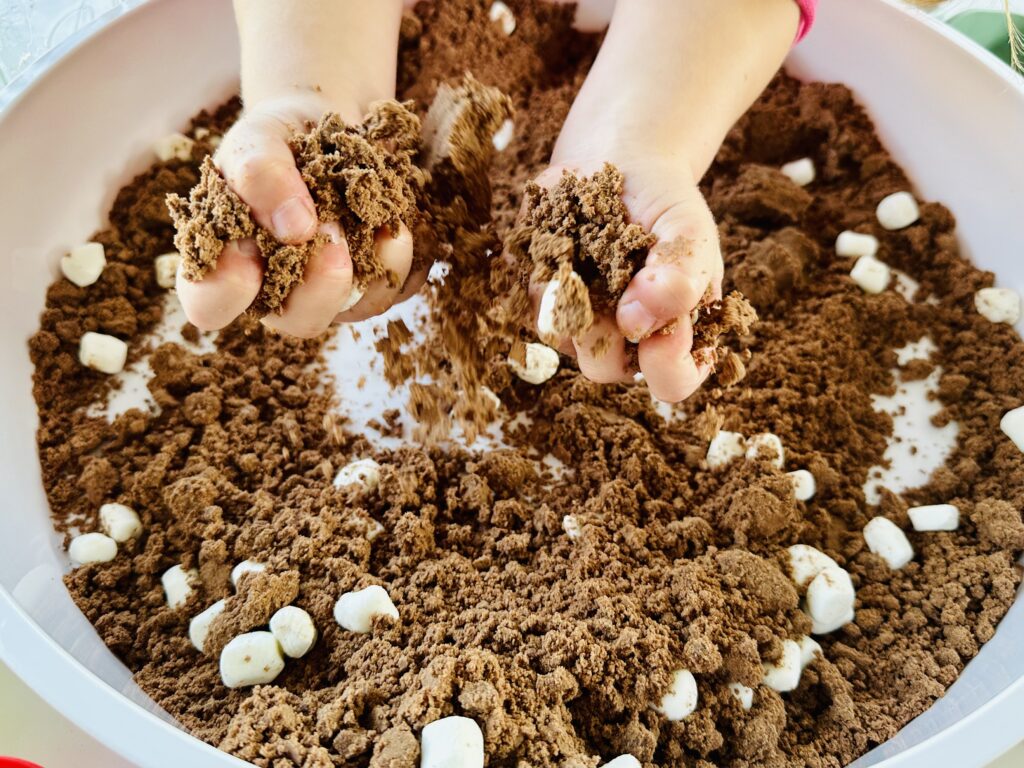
988 29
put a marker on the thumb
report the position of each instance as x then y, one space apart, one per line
258 165
685 261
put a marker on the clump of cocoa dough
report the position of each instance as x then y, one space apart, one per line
361 176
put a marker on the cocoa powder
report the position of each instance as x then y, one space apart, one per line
557 647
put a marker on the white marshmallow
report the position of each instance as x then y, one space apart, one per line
492 398
246 566
546 313
503 136
623 761
106 354
897 211
364 472
199 627
178 585
804 485
120 522
572 527
800 171
743 694
354 611
452 742
541 364
830 600
784 675
998 305
1012 425
294 630
769 445
503 15
354 295
871 275
809 647
935 517
166 267
92 548
681 699
251 659
84 264
174 145
886 540
724 447
806 562
373 530
856 244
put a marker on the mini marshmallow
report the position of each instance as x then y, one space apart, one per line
784 675
84 264
743 694
856 244
806 562
623 761
355 293
1012 425
871 275
373 530
809 648
766 444
174 145
354 611
724 447
502 14
120 522
452 742
572 527
178 585
103 353
546 313
541 364
503 136
800 172
166 267
935 517
199 627
830 600
251 659
294 630
492 398
998 305
804 485
886 540
897 211
92 548
364 472
681 699
246 566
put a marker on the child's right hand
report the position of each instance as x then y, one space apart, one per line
258 165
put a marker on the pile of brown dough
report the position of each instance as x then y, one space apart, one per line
557 648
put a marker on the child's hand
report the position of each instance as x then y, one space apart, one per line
300 60
664 199
258 165
670 80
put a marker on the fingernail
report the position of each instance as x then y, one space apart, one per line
333 231
294 219
635 321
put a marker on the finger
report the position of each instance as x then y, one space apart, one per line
395 255
668 365
259 166
227 291
684 262
326 283
601 353
412 285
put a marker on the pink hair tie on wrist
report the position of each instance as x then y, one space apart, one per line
807 8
